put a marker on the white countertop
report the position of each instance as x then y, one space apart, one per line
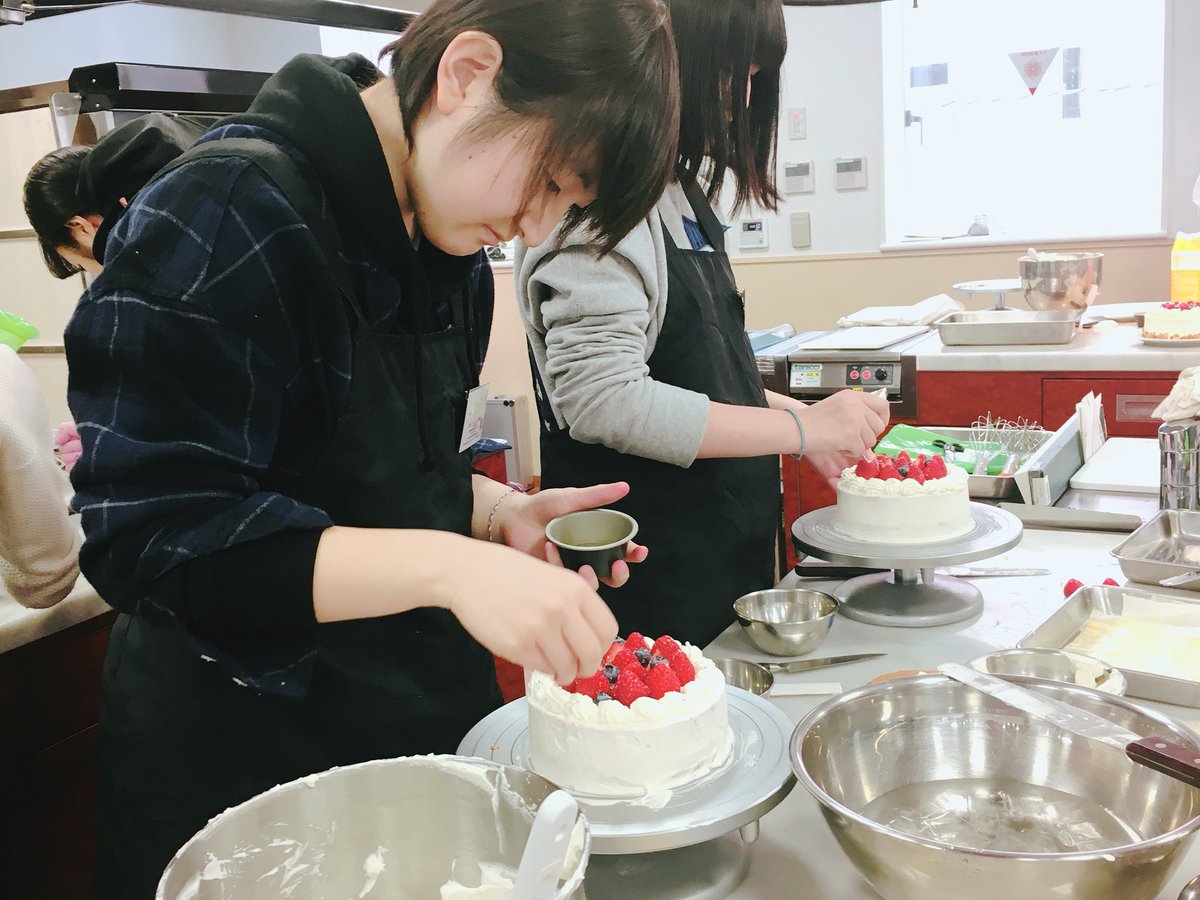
19 625
795 854
1112 349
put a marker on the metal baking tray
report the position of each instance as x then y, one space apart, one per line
1065 624
992 327
985 487
1167 545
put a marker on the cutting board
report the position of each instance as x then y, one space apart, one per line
864 337
1129 465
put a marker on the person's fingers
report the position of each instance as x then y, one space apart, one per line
560 657
588 574
552 556
618 576
636 553
585 644
574 499
601 620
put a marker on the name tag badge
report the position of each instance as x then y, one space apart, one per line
473 420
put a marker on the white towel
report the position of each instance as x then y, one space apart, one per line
922 313
1184 400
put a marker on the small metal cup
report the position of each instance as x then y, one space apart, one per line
592 537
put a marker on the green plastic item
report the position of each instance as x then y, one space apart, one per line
15 331
963 454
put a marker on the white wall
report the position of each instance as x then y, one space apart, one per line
48 49
834 68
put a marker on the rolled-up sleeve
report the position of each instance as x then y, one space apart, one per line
588 319
184 358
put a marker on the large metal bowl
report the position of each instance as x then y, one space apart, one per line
1061 280
938 792
1050 664
389 828
786 621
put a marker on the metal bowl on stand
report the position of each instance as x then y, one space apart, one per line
1061 280
389 828
938 791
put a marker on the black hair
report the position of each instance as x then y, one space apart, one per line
718 42
597 79
51 198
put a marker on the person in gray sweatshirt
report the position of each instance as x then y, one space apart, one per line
642 369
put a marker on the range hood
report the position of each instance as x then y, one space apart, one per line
374 15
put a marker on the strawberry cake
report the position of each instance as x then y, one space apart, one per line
903 500
1173 322
650 719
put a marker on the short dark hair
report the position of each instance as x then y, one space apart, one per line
598 79
718 42
51 198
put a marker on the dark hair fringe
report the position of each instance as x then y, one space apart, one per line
51 198
718 42
596 83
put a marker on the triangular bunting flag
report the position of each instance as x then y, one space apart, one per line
1032 65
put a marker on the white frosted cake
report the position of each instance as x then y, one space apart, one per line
903 501
1173 322
643 724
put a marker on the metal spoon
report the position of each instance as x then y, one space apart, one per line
1191 890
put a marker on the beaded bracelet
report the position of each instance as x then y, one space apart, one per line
492 514
799 425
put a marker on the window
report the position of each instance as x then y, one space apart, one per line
1023 119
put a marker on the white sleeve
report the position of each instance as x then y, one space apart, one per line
39 543
589 321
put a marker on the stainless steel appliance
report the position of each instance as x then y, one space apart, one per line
792 368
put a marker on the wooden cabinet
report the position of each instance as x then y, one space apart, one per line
49 715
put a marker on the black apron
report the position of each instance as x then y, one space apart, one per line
181 741
710 528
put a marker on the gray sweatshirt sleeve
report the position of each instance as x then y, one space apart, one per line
592 324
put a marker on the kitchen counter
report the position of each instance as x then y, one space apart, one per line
20 626
795 854
1112 349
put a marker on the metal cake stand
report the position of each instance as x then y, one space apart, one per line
995 286
912 594
697 846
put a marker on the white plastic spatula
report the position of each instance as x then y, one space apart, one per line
546 849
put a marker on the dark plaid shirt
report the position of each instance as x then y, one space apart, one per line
209 351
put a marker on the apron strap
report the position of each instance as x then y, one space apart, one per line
705 217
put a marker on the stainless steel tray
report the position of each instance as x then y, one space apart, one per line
1065 624
985 487
993 327
1169 544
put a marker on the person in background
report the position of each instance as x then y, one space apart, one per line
641 365
75 195
271 377
39 541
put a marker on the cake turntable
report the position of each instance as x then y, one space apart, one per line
697 846
912 595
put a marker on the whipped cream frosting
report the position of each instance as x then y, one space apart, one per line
644 749
903 511
1177 324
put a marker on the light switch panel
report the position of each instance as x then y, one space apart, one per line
798 123
801 230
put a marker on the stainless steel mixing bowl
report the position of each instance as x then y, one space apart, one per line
1061 281
388 828
786 621
741 673
1053 665
922 779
